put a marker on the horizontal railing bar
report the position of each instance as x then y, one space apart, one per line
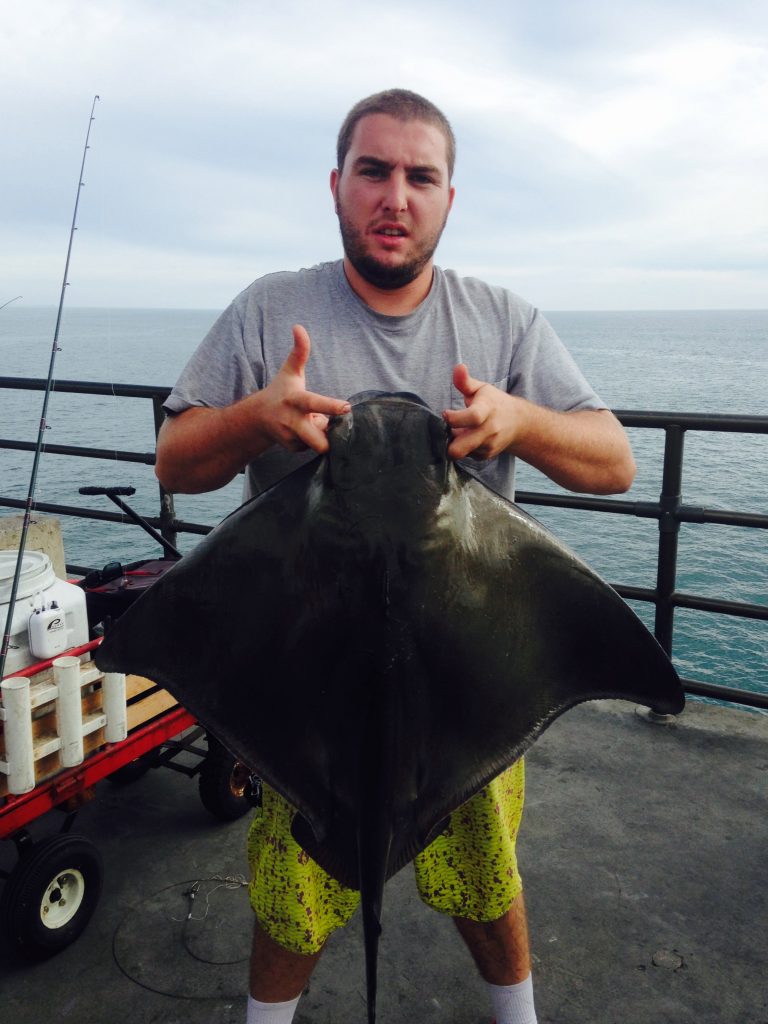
84 387
636 593
200 529
78 512
693 420
720 517
750 698
585 503
146 458
742 609
642 509
695 602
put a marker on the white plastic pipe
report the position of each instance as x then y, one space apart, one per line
19 750
69 710
113 691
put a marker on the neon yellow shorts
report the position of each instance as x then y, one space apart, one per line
468 871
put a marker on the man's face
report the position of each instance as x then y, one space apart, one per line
392 199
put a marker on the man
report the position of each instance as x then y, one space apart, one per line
385 317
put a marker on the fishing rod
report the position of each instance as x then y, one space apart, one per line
43 426
10 301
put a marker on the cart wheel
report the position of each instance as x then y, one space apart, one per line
224 783
51 894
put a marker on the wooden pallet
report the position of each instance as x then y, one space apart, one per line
144 703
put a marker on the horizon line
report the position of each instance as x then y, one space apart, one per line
605 309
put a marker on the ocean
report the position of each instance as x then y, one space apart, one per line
692 361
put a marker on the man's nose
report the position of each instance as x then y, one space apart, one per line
396 193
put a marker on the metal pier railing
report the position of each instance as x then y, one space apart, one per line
669 511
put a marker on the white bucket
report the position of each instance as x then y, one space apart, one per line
39 588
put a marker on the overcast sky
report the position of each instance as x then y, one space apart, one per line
611 155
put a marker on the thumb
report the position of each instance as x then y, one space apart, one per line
299 354
462 381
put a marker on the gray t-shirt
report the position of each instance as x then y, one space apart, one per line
502 339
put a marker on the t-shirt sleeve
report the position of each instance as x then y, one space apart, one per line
543 371
220 371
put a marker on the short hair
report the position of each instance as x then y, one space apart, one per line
403 105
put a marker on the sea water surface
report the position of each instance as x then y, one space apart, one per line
693 361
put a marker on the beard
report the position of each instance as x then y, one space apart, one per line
379 274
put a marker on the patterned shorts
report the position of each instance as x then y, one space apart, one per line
468 871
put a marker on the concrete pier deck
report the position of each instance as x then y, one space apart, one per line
644 853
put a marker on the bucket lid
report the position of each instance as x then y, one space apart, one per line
36 574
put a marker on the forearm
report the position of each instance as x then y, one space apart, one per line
586 450
202 449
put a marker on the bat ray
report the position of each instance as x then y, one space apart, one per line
379 635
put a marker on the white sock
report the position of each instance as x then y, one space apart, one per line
513 1004
271 1013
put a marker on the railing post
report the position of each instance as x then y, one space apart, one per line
669 531
167 508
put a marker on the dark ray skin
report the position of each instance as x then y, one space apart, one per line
378 636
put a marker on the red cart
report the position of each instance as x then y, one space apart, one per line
64 726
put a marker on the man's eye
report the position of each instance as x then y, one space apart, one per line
422 178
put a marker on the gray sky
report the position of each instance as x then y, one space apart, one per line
611 155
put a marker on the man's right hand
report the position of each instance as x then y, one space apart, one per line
203 448
290 415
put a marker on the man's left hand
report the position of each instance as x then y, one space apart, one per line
584 450
487 426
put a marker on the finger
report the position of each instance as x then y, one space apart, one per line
313 436
464 383
307 402
319 420
458 419
299 354
468 442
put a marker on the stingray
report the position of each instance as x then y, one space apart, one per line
379 635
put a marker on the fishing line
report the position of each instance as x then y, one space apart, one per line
189 892
43 426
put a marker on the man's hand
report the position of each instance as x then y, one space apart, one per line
203 448
584 450
487 426
289 415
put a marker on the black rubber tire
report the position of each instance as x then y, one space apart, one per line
51 895
223 784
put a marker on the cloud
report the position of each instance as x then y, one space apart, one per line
598 144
